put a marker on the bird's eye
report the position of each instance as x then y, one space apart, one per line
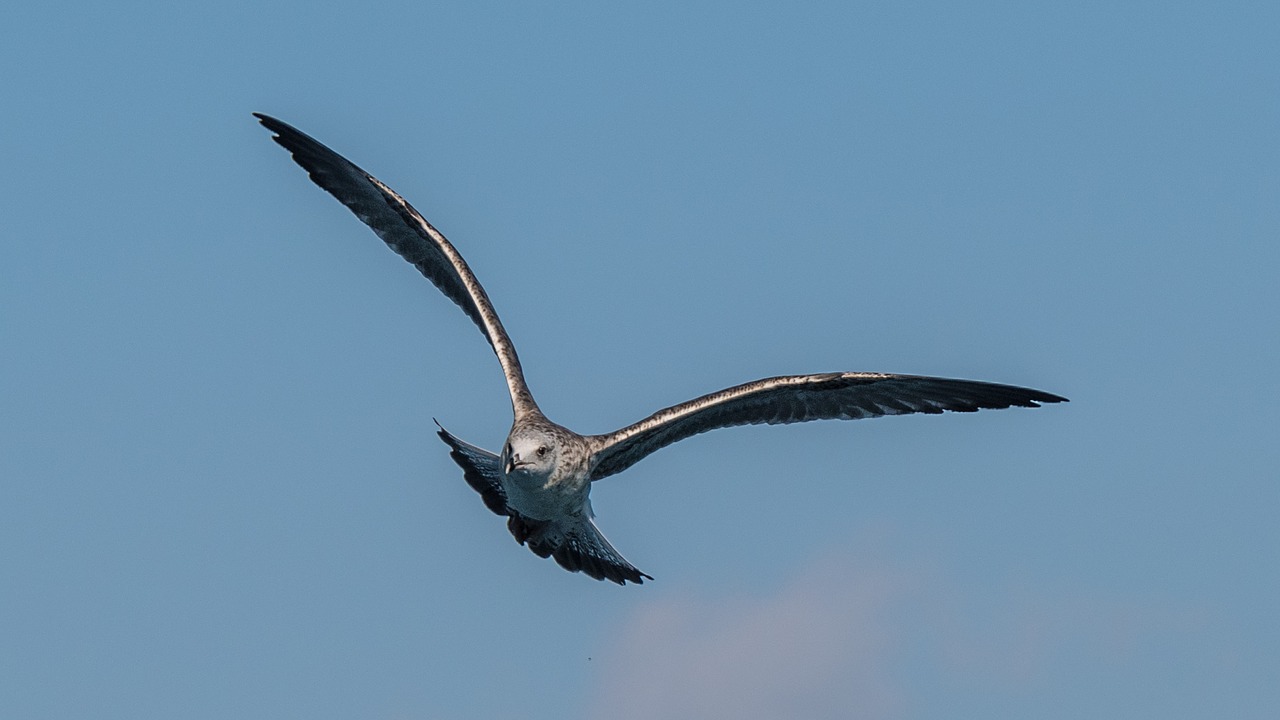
542 451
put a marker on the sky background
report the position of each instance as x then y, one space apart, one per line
221 494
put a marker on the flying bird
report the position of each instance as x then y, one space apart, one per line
541 480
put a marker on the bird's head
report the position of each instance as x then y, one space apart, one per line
530 452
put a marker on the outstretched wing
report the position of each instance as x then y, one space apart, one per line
575 543
799 398
409 234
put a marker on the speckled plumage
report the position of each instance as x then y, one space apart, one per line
541 481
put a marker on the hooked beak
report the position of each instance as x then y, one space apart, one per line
513 462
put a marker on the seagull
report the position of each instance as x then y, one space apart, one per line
541 480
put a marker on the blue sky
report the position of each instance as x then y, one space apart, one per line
220 494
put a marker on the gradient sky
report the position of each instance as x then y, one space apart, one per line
220 493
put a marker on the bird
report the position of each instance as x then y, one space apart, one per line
541 479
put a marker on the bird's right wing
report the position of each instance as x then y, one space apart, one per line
799 398
409 234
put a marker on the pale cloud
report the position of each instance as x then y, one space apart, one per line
852 639
818 649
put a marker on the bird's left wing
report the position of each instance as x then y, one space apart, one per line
406 232
799 398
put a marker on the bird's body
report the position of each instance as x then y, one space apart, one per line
545 471
541 480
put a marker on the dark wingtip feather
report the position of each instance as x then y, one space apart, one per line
279 127
1036 398
308 152
1004 396
282 131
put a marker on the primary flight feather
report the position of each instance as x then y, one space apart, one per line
541 480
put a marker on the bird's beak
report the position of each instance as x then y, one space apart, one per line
512 463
